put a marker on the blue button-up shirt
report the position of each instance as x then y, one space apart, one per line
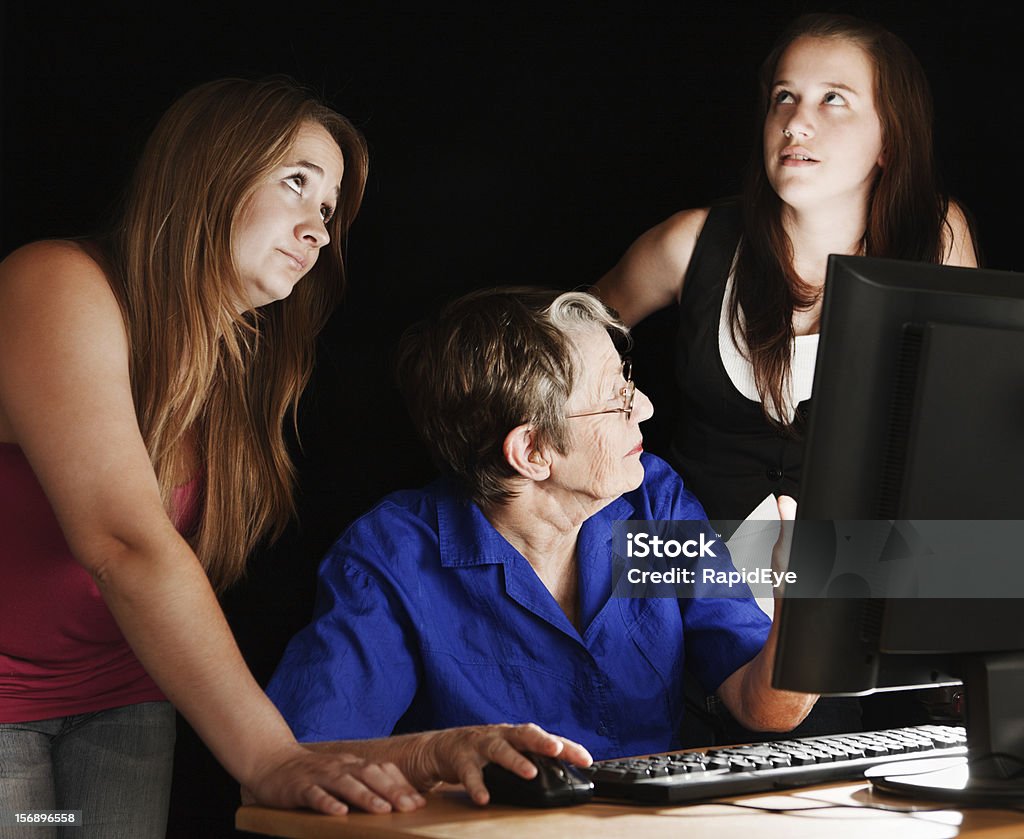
426 617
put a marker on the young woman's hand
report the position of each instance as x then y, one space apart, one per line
330 781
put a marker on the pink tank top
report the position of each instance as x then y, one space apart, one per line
61 651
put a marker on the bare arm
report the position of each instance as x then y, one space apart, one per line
958 244
650 274
748 692
66 400
750 698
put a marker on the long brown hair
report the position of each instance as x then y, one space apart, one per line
906 208
205 377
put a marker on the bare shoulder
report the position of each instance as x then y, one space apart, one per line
58 261
672 242
60 324
60 283
650 274
958 246
682 229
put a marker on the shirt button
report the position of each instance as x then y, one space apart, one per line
774 474
602 729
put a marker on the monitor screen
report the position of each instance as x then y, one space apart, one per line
917 418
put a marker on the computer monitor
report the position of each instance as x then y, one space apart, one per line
918 414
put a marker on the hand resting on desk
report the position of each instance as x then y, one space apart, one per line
307 778
458 755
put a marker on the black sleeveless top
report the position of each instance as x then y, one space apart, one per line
725 449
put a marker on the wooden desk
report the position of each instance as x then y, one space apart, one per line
453 816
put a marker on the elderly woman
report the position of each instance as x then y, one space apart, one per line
487 596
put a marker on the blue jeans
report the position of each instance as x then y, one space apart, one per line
114 766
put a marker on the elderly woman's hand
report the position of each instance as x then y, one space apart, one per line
324 779
458 755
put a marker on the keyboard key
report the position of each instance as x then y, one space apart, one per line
733 770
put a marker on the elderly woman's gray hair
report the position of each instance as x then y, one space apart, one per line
489 362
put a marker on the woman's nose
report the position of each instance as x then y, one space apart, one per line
643 407
313 232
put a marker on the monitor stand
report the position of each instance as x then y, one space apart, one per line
992 774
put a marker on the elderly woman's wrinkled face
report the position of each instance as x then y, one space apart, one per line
603 459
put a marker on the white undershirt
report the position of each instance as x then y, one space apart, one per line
741 372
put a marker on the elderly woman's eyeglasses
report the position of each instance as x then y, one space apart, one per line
628 394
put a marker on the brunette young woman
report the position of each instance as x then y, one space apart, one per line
843 163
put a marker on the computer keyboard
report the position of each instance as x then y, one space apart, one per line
763 767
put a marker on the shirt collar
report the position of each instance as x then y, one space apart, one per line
467 538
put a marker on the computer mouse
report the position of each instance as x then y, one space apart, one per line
557 784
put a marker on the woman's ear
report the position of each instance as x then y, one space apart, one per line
523 455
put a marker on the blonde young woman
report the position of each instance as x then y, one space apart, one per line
145 379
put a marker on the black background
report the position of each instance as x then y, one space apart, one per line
525 144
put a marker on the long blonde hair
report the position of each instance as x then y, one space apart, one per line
203 375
